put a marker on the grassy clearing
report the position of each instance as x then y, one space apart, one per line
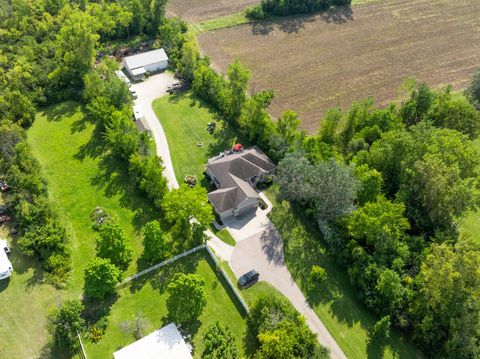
24 318
224 235
184 120
335 301
147 296
80 177
221 22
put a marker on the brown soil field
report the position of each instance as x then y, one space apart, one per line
329 60
199 10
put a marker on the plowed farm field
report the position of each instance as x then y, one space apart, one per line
329 60
198 10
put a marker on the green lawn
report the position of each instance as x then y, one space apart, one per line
184 120
147 296
25 302
80 177
221 22
224 235
335 301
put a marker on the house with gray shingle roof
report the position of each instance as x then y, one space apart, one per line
235 174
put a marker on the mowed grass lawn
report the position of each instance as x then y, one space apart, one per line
24 306
80 177
147 297
184 120
335 301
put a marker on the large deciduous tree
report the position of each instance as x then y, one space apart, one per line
455 112
66 323
473 91
187 297
101 278
281 331
148 171
113 244
380 225
447 306
254 120
75 50
219 343
187 208
153 243
236 94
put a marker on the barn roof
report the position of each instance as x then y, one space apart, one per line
145 58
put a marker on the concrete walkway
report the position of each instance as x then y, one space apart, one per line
148 91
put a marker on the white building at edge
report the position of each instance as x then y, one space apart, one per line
151 61
165 343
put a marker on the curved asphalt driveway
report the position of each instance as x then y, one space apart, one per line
148 91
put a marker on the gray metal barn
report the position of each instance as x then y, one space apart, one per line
151 61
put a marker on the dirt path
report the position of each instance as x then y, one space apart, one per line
148 91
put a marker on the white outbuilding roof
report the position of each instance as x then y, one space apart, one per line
165 343
145 58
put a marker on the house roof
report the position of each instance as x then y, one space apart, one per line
224 199
232 172
165 343
145 58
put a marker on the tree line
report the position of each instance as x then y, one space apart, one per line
291 7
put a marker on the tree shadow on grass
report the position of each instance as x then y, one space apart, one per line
95 310
95 147
58 111
160 278
225 285
376 348
4 284
53 351
115 180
